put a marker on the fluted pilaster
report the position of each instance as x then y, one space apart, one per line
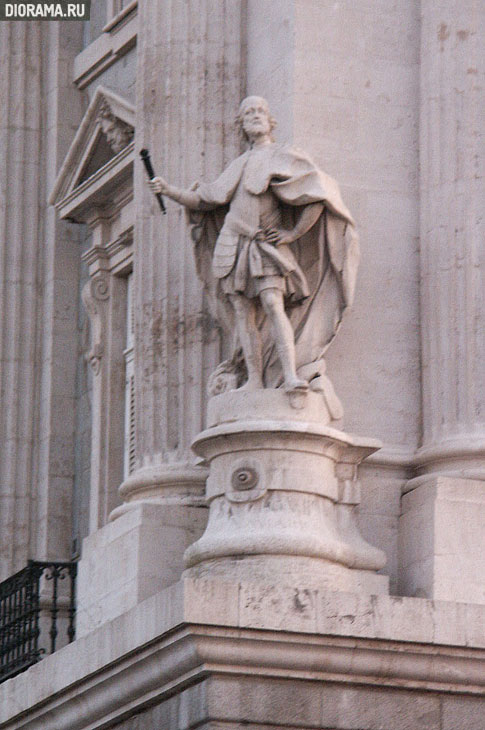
58 317
38 294
20 127
452 234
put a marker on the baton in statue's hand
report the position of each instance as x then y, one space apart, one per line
145 156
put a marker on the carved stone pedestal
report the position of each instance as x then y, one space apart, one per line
282 490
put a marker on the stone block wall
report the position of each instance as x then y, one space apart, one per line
228 704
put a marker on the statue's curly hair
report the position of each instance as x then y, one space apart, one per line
238 121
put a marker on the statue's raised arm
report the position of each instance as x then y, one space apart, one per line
277 251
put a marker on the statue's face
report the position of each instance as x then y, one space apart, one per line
255 119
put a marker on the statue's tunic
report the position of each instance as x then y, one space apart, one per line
255 186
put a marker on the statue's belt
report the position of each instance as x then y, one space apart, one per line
250 256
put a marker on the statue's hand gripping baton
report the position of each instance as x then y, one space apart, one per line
145 156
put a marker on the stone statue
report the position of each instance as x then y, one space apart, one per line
277 251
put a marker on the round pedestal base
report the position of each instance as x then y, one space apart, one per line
291 570
275 479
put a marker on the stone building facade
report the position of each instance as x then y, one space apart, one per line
106 345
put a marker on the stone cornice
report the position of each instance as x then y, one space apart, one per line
190 653
164 645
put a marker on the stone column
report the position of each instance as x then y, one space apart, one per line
38 294
38 301
452 234
20 135
452 296
189 88
189 85
54 469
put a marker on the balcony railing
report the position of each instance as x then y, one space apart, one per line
37 612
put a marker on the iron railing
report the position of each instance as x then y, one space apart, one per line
37 614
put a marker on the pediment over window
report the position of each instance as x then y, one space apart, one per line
99 162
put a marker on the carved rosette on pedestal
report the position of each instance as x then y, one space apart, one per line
282 492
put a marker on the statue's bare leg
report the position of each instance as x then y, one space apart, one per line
245 312
273 305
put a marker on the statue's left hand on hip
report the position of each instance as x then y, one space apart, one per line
278 237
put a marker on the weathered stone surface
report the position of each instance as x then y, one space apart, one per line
349 658
462 713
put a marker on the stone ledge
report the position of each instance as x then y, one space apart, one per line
195 628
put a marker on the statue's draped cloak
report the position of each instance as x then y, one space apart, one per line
328 254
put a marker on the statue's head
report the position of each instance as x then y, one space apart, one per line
254 118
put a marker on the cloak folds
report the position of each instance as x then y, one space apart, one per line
328 255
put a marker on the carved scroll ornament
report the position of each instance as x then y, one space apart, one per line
95 294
